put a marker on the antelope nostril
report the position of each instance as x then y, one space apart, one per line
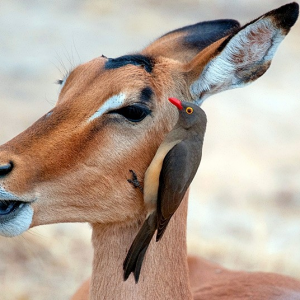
6 169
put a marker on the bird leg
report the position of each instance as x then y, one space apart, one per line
134 181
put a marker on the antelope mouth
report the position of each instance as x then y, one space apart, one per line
8 207
15 217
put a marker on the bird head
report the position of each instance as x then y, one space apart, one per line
190 114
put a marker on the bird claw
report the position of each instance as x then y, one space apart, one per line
134 181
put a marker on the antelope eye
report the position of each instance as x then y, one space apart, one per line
133 113
189 110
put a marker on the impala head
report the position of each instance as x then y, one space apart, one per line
112 114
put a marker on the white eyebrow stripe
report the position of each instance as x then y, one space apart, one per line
113 102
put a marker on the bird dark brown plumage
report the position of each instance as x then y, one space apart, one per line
167 179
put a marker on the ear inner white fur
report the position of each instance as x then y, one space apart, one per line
245 58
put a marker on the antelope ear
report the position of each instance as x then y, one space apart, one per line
241 58
185 43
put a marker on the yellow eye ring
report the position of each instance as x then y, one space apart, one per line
189 110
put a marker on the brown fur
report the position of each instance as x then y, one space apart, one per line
75 170
211 281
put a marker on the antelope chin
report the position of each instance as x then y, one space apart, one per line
15 217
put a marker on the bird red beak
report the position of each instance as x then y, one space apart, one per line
176 102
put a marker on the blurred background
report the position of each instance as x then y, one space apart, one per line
244 210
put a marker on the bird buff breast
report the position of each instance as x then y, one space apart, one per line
151 181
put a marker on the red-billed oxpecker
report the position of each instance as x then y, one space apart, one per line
167 179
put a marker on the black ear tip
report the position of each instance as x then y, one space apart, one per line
293 6
295 14
286 15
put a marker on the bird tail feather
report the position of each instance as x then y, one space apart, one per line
135 256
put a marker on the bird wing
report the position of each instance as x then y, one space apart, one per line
178 170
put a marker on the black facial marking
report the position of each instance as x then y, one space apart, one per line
137 60
146 94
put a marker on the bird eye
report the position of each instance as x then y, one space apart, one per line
133 113
189 110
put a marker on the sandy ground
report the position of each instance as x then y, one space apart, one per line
245 206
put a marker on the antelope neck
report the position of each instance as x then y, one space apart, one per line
164 272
